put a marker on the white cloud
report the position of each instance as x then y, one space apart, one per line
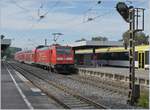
15 18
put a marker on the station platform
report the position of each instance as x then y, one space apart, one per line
10 97
18 93
142 75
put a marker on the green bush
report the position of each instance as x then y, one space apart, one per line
144 100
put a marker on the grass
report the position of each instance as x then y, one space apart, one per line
144 99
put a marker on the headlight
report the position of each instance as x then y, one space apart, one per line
68 58
59 58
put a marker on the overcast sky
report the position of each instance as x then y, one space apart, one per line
19 20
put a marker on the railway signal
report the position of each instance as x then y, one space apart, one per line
132 16
123 10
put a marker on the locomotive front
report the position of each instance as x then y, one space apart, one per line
65 59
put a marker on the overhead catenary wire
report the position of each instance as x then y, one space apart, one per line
91 19
19 6
57 2
42 16
98 2
82 16
98 16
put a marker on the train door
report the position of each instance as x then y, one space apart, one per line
141 59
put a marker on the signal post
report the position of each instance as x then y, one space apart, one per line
135 18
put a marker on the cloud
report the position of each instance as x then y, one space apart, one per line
16 19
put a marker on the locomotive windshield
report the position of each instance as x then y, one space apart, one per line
63 50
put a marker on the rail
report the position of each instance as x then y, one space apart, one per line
58 86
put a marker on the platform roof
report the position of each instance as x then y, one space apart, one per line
5 43
91 44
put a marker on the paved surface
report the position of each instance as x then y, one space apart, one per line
120 71
12 99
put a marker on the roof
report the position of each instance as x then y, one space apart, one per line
122 49
5 43
112 49
97 43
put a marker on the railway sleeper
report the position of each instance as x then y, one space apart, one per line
70 91
102 85
80 106
75 102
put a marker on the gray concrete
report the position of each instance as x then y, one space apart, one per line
11 99
139 73
114 73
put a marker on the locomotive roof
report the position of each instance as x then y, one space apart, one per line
51 46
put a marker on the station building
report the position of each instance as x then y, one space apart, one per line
85 50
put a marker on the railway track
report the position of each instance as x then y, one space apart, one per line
102 84
83 85
60 93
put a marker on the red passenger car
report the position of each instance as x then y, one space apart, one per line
29 57
20 56
25 56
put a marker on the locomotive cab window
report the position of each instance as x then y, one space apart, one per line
63 50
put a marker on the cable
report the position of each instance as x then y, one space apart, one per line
99 2
15 3
57 2
91 19
42 16
85 12
104 14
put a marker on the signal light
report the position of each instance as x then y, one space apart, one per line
123 10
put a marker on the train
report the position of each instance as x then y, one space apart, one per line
119 56
55 58
114 56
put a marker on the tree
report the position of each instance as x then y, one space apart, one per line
140 38
99 38
10 51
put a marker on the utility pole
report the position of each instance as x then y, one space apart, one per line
132 16
45 42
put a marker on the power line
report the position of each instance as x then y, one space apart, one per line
101 15
42 16
19 6
104 14
85 12
98 2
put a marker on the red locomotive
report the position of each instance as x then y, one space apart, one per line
56 58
